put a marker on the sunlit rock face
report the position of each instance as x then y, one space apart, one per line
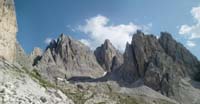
8 30
108 56
159 63
66 57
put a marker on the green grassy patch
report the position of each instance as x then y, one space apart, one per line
36 76
77 97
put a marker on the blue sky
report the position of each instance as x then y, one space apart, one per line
91 21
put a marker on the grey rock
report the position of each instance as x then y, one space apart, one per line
36 55
152 77
138 55
179 53
144 46
108 56
128 72
18 87
22 58
8 28
145 58
43 99
66 57
116 63
163 67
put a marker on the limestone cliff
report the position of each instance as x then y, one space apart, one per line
8 29
35 55
108 57
66 57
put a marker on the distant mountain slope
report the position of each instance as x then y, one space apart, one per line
66 57
158 63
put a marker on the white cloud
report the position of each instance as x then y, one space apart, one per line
190 44
86 42
47 40
98 29
193 31
196 13
185 29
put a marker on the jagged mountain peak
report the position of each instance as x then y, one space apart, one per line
166 35
139 32
36 55
155 62
179 53
64 37
68 57
107 43
106 54
60 40
37 51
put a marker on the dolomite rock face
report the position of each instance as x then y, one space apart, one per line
22 58
36 52
8 28
108 57
156 63
66 57
36 55
179 53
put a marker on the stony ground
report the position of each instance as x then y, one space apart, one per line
18 86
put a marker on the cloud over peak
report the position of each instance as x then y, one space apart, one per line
98 29
190 43
196 13
193 31
47 40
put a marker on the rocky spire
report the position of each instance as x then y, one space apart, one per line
179 53
155 62
108 57
8 28
36 55
36 52
67 57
